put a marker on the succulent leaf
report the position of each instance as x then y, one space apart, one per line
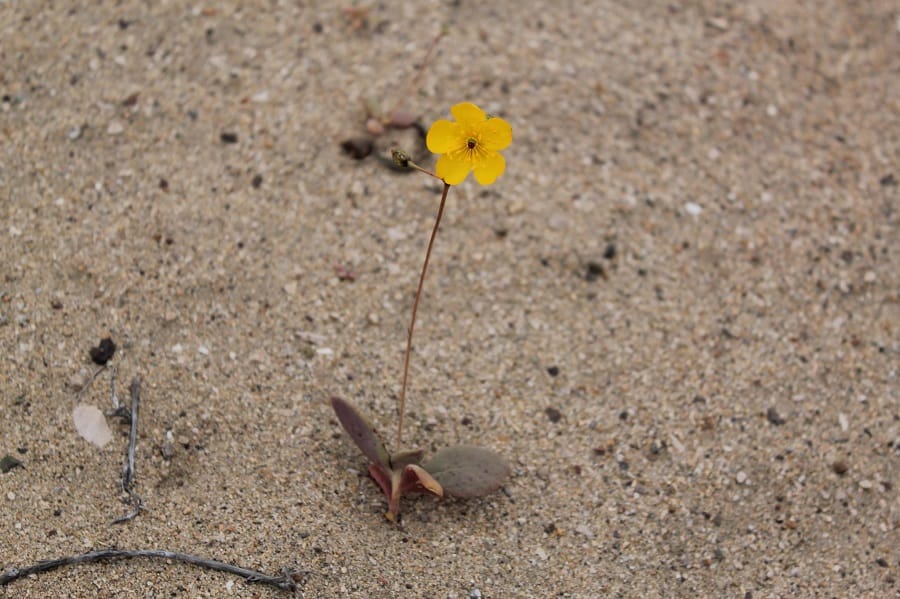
468 471
361 431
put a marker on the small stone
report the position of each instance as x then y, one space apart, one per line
741 477
228 137
475 594
11 496
773 417
772 110
553 370
290 288
585 531
865 484
76 382
115 128
515 207
840 467
74 133
844 422
8 463
693 209
372 318
594 271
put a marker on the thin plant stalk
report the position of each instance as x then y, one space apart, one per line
415 309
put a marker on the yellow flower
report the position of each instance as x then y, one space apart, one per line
472 143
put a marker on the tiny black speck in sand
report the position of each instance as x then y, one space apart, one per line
104 352
228 137
553 414
553 370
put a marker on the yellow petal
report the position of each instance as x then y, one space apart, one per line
487 170
467 114
453 172
495 134
443 137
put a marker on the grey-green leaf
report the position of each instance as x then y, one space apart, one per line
468 471
361 431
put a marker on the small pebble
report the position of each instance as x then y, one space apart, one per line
865 484
115 128
840 467
741 477
693 209
844 422
773 417
475 594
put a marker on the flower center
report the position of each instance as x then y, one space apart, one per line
471 143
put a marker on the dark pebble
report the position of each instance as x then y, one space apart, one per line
357 147
594 271
228 137
256 182
840 467
773 417
8 463
553 414
610 252
164 185
553 370
104 352
888 180
882 562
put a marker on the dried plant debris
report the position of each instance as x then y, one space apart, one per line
460 471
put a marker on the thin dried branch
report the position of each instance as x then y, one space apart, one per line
285 582
128 465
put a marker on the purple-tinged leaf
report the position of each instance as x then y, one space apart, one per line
361 431
383 478
416 479
467 471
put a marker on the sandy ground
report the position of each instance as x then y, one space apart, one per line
676 314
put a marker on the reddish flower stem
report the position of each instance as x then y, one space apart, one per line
415 309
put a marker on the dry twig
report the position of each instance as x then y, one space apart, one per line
285 582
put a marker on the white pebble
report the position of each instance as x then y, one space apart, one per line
844 422
741 477
693 209
115 128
